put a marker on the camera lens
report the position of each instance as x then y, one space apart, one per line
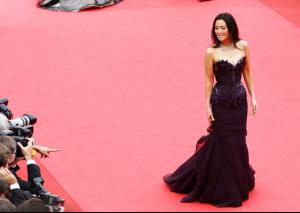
25 120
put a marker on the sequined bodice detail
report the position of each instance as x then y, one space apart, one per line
227 73
229 91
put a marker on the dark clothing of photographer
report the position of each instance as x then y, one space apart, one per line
18 196
24 190
33 171
12 193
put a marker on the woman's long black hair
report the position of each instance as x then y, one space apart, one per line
232 29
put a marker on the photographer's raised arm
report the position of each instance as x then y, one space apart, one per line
17 195
33 169
44 151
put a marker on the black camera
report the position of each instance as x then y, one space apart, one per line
20 128
4 109
54 201
21 135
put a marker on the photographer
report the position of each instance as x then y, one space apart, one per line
3 189
33 169
16 195
34 205
6 206
16 136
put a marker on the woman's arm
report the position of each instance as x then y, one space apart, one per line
247 73
209 81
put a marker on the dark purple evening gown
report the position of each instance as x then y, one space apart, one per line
219 171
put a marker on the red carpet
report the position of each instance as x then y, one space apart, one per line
52 186
121 92
288 9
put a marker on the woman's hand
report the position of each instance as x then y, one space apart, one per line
210 116
254 106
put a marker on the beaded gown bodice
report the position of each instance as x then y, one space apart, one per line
228 90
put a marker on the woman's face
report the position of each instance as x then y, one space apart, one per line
221 30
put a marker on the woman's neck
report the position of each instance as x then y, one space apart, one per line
226 43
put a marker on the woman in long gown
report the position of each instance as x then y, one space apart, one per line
74 5
219 171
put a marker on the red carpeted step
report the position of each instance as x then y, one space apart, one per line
289 9
52 186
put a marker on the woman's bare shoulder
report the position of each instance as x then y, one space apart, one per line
210 51
242 44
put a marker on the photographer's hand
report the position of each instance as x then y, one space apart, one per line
27 151
7 176
44 151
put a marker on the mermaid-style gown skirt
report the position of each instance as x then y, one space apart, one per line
74 5
219 171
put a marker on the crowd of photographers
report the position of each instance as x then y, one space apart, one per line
16 194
